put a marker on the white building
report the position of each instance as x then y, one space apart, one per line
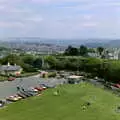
113 54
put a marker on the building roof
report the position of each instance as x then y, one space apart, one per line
75 77
10 68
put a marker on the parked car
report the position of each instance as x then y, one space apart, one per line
11 78
2 103
43 86
14 98
117 85
21 95
39 88
48 86
23 92
114 88
32 93
32 89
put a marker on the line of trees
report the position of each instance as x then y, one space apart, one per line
82 51
107 69
29 63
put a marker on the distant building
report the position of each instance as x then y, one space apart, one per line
10 70
113 54
74 79
119 56
90 54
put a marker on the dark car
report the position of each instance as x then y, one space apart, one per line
22 95
2 103
24 92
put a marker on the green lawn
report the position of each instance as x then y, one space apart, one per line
68 105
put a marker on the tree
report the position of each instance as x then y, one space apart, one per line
28 59
112 72
71 51
51 61
83 50
67 51
11 58
28 68
100 50
91 50
37 63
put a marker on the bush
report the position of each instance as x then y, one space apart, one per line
52 74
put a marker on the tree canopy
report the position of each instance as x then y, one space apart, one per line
100 50
73 51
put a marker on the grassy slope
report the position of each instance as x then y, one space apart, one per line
66 106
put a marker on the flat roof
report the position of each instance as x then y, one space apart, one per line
75 77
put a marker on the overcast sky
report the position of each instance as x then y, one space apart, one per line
64 19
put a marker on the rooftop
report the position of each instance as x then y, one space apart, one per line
9 68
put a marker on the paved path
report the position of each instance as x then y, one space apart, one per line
9 88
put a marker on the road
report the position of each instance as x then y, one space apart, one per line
8 88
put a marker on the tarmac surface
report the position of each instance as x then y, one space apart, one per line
8 88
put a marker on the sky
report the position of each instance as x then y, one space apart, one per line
60 19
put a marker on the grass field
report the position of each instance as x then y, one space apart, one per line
68 105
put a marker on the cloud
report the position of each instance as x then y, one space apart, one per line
90 2
59 18
90 24
35 19
11 24
87 17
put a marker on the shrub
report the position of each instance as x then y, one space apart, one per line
52 74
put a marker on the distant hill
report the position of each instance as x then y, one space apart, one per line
65 42
62 42
112 43
94 45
